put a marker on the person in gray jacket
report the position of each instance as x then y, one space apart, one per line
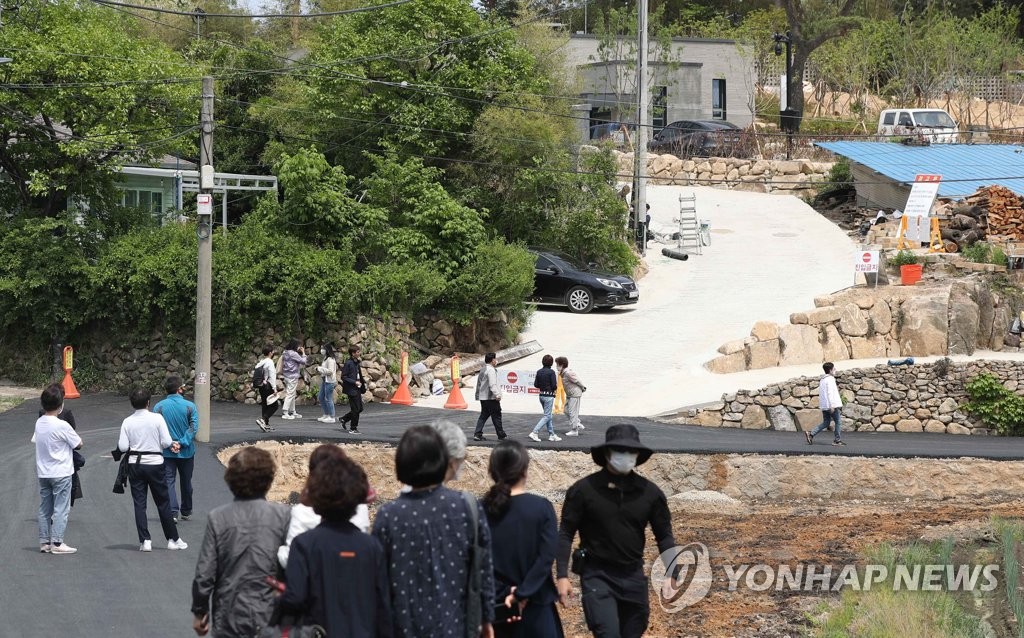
574 390
240 551
488 393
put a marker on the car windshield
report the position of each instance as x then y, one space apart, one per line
565 261
934 119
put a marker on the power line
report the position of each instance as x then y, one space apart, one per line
251 16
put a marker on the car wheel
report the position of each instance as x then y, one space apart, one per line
579 300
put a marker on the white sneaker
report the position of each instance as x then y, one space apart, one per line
287 417
296 415
63 548
534 437
329 419
44 548
554 437
147 546
177 544
572 433
581 427
263 425
322 419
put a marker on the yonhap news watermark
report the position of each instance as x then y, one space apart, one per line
694 577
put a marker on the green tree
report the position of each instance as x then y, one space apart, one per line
71 120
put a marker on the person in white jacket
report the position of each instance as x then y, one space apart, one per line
488 393
328 371
831 405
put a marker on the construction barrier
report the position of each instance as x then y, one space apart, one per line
70 391
402 395
455 400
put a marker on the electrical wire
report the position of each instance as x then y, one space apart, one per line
249 16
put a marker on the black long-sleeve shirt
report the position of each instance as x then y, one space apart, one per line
523 544
337 578
611 512
546 382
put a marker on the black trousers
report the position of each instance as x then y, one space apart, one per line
489 409
615 606
268 410
355 408
151 477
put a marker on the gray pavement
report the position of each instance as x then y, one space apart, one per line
110 590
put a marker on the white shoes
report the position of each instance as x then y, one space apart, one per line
147 546
63 548
287 417
296 415
572 433
176 544
326 419
534 437
554 437
580 426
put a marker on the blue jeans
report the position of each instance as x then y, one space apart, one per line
827 416
326 398
54 505
183 468
548 403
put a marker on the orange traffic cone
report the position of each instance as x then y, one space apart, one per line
402 395
70 391
455 400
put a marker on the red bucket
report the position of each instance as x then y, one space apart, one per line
910 274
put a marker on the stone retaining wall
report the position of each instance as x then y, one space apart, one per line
795 177
915 398
865 323
106 362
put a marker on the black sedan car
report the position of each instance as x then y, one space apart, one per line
559 280
697 138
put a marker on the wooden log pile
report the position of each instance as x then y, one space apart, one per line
992 211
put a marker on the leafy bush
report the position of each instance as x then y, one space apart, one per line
903 258
984 253
998 407
839 178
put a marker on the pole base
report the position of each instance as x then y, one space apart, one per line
675 253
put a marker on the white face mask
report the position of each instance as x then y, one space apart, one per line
622 462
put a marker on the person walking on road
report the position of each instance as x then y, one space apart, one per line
831 405
611 510
328 371
144 437
574 390
182 419
264 380
292 360
55 443
239 552
488 393
547 383
353 385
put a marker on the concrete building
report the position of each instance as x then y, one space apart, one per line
690 79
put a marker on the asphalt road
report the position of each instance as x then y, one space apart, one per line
110 590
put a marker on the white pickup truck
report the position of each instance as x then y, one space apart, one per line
934 125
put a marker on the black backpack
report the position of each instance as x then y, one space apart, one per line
259 376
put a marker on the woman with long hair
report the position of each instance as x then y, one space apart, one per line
524 539
328 371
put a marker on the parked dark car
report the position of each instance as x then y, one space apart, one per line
697 138
615 132
559 280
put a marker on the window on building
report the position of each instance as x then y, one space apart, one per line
718 111
659 107
152 201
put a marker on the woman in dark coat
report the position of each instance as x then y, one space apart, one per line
524 533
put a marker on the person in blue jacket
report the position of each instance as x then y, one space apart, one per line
182 419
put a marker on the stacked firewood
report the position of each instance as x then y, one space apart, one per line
994 211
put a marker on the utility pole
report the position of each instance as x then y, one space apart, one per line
639 226
205 262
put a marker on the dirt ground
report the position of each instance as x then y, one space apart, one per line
791 531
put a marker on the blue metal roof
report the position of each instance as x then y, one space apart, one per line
964 167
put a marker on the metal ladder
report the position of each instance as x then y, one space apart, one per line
689 224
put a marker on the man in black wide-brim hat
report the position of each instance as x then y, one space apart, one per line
611 509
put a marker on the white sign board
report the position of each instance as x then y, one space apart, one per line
783 93
204 204
866 261
919 207
517 382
